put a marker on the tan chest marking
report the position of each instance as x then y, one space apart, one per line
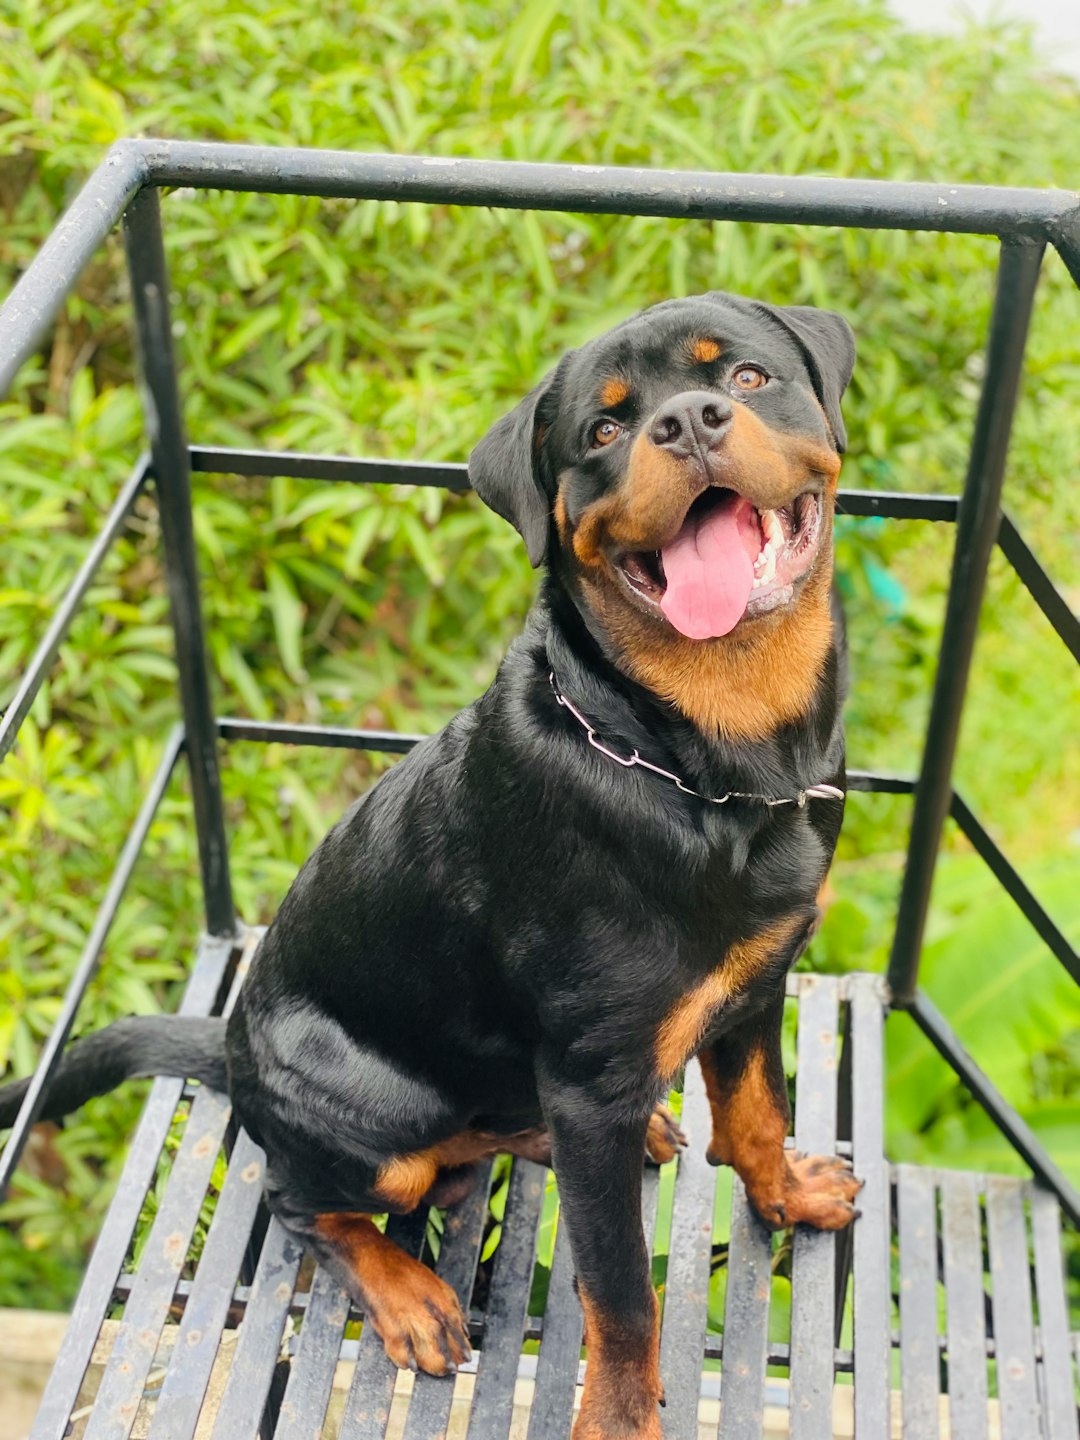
682 1028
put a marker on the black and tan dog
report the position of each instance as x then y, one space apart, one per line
519 936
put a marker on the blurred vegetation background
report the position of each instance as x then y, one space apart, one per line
404 330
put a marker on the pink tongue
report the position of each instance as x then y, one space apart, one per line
709 568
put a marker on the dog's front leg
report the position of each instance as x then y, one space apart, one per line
597 1151
744 1077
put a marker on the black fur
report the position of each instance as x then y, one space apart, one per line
130 1049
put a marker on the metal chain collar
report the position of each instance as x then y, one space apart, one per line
812 792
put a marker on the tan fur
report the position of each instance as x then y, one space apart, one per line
682 1028
750 1124
742 688
404 1180
416 1314
656 490
704 351
562 520
622 1379
613 392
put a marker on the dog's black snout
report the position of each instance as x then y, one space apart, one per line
693 421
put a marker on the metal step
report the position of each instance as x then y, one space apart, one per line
942 1313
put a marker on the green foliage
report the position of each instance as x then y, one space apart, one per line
405 330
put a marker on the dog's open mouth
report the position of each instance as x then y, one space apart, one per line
728 561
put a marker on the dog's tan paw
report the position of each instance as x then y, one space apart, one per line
819 1191
421 1324
665 1137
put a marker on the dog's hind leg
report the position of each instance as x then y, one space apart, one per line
414 1313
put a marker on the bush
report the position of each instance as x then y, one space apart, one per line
405 330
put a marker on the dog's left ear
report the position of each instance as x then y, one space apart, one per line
828 346
506 469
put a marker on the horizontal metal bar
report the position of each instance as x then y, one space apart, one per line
896 505
397 742
392 742
1016 1131
51 276
871 781
43 657
611 190
1010 879
1043 590
219 460
88 962
778 1352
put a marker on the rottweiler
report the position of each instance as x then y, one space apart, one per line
603 867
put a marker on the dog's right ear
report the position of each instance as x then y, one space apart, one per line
506 469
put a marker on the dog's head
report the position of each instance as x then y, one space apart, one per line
680 471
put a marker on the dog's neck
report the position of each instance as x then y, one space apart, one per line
802 743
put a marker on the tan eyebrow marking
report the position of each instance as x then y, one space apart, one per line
704 351
613 392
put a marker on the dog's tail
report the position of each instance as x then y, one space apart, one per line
139 1046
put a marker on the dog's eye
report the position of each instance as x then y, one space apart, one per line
749 377
605 432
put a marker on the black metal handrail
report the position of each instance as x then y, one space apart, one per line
126 184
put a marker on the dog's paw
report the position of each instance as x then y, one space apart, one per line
819 1192
665 1137
420 1323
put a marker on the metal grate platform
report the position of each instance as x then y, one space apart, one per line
942 1313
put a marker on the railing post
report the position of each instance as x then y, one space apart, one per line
976 528
172 472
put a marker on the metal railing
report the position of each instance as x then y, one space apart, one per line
127 184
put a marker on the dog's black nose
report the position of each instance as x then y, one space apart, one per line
692 422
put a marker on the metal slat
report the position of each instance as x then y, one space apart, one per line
746 1323
560 1347
871 1239
650 1199
965 1298
159 1268
508 1301
1014 1340
311 1375
918 1303
371 1392
65 1381
1055 1369
813 1265
686 1293
259 1337
184 1389
463 1231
